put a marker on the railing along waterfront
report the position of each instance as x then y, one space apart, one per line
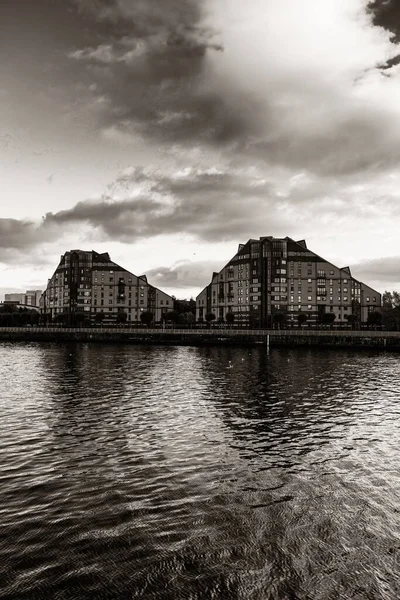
214 331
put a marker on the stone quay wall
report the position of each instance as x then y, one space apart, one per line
389 340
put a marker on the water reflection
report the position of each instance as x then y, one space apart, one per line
145 472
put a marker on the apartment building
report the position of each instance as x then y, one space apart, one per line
91 283
275 279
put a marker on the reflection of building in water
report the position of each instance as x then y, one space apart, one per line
276 279
90 283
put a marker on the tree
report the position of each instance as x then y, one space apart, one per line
185 306
391 311
279 319
61 318
352 320
99 317
328 318
34 317
190 318
146 317
301 319
210 317
181 319
374 319
172 316
230 317
78 318
122 317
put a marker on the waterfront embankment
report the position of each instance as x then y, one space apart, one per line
388 340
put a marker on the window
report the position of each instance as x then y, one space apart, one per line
309 307
344 280
110 302
367 298
309 280
309 298
374 299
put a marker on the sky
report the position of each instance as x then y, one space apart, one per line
166 133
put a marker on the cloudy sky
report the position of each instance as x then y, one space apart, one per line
166 132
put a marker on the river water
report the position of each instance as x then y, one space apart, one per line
198 473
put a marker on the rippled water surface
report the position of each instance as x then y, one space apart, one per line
173 472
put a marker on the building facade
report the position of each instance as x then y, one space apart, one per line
29 298
90 283
273 280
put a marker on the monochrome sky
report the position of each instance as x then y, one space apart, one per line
167 132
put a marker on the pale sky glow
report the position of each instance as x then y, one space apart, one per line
167 133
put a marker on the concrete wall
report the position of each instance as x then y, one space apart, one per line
348 339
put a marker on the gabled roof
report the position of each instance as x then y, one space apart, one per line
346 270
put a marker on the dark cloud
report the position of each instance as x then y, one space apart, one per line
18 234
386 14
154 57
378 269
184 274
19 240
205 204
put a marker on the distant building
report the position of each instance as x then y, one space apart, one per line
29 298
273 280
14 298
32 297
91 283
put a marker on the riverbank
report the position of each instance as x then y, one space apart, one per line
388 340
